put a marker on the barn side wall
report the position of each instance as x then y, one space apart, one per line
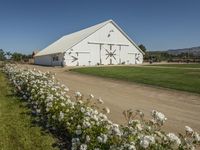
47 60
89 54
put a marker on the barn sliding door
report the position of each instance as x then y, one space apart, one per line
77 59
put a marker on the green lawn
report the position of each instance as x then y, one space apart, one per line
16 129
177 65
180 79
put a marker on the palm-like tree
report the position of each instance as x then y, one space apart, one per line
8 54
2 55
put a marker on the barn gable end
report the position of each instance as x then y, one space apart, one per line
104 43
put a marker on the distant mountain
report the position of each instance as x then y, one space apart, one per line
192 50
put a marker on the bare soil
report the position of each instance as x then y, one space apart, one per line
181 108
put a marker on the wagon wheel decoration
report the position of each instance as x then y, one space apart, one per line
74 58
110 54
137 57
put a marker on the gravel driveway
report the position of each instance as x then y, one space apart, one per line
181 108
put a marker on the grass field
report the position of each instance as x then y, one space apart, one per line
16 128
177 65
174 78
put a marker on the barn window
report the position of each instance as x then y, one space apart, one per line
55 58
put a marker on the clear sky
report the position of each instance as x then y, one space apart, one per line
26 25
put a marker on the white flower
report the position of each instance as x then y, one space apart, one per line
78 132
80 102
47 109
42 97
87 138
78 127
24 97
53 117
95 118
158 116
132 147
100 100
188 130
63 104
83 147
139 126
82 109
66 89
105 138
91 96
197 137
75 141
38 110
146 141
61 115
78 94
106 110
173 138
100 139
86 124
116 130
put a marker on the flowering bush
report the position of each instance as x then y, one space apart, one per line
87 124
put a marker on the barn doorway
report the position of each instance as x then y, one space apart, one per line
109 53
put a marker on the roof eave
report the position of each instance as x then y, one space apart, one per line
127 37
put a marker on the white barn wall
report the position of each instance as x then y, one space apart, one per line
47 60
90 52
43 60
60 60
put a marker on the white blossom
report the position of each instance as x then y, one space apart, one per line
61 116
78 132
87 138
189 129
91 96
146 141
83 147
158 116
78 94
197 137
100 139
174 139
66 89
107 110
100 100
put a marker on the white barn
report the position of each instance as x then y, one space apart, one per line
102 44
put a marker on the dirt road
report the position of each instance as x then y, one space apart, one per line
181 108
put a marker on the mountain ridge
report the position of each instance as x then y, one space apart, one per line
193 50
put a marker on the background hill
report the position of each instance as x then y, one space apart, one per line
193 50
174 55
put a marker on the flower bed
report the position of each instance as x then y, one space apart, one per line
88 126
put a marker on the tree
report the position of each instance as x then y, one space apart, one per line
20 57
2 55
17 56
142 47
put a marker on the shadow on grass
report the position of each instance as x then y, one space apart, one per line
63 140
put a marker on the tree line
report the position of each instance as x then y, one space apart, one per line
19 57
150 56
158 56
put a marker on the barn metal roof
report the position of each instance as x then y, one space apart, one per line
68 41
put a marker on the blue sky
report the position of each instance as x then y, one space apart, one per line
26 25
